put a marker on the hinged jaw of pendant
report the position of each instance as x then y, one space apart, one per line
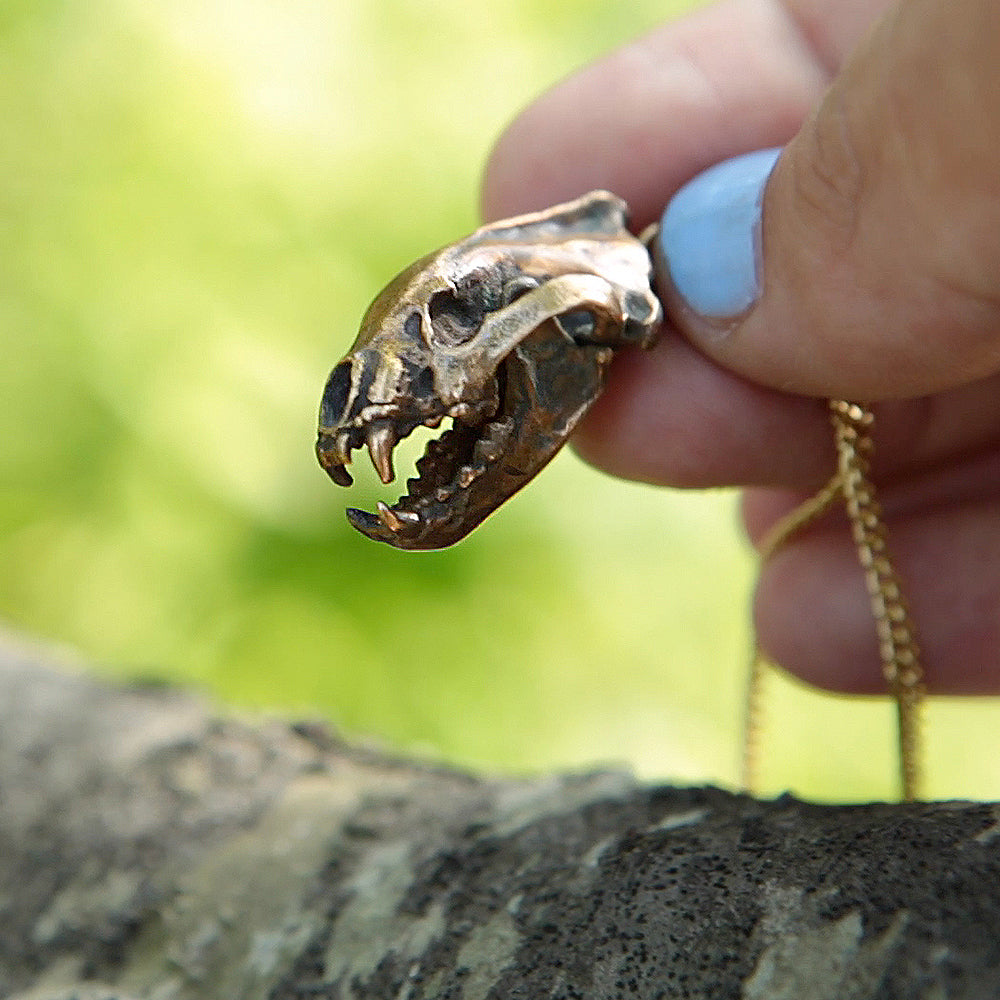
508 332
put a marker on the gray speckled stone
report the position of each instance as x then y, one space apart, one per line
150 849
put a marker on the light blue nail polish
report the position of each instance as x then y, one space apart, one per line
708 235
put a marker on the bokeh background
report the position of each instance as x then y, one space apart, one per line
197 201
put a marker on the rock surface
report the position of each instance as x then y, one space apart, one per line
151 847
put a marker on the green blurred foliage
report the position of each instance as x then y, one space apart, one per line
197 201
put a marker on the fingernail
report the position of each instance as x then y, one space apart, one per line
709 235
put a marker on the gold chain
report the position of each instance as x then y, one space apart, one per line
852 425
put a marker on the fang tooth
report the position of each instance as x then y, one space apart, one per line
388 517
407 516
381 441
339 474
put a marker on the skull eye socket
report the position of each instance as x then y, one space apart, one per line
455 317
458 312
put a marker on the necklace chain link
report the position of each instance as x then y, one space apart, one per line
898 649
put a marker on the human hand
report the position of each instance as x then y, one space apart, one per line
880 280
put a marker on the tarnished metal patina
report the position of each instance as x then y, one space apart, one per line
508 332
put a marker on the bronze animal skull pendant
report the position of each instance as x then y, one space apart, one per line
508 332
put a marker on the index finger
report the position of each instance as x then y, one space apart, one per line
726 79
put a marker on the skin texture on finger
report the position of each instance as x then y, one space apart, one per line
668 417
811 608
671 418
973 479
812 614
733 76
831 28
728 78
881 221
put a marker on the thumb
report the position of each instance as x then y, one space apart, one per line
863 262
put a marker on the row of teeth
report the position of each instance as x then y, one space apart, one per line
381 439
437 478
436 481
